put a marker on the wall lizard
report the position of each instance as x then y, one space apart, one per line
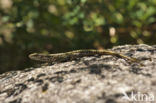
73 55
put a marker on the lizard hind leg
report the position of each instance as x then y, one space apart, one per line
130 59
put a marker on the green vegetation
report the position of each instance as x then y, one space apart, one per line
28 26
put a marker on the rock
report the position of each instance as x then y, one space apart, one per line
94 79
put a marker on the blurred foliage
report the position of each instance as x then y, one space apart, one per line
28 26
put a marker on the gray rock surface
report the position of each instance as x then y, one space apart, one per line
94 79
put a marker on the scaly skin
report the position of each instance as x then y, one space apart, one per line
73 55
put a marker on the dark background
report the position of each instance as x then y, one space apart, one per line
52 26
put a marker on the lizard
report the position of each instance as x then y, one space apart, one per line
73 55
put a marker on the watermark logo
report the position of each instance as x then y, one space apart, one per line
138 96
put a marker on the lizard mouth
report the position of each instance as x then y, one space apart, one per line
34 56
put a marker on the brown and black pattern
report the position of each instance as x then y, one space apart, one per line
73 55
